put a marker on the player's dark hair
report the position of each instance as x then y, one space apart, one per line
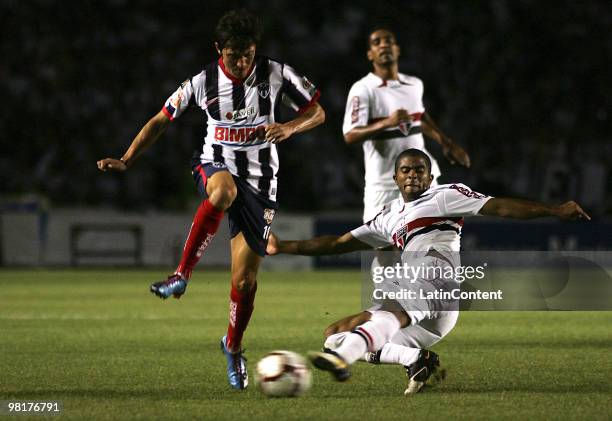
378 28
414 153
238 29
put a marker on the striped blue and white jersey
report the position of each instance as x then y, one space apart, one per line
433 221
236 112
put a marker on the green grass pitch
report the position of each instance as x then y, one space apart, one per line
107 348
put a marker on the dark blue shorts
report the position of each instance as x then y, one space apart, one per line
250 213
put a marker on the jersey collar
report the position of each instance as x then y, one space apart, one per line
233 78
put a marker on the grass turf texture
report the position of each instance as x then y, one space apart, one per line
107 348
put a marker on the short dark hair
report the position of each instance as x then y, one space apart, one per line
378 28
238 29
415 153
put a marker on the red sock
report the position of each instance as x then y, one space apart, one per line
241 308
205 224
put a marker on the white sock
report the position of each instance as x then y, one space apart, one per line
334 341
371 335
398 354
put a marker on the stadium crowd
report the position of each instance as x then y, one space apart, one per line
524 87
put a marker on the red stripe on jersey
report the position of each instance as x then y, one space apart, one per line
167 113
231 77
423 222
314 99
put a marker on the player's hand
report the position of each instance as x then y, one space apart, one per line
455 153
273 245
276 132
571 210
111 164
398 117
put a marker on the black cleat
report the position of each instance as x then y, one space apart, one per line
425 369
372 357
332 362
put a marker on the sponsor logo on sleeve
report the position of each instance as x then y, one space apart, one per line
354 109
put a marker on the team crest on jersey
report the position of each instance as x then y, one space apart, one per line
400 237
241 114
217 164
264 89
269 215
306 84
404 128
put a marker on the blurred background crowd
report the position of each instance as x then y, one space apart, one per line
524 86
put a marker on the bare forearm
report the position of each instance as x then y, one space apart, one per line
432 131
517 208
148 135
324 245
310 119
359 134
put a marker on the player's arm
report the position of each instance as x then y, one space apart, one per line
151 131
452 151
309 119
319 246
361 133
523 209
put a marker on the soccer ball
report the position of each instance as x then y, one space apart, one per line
282 374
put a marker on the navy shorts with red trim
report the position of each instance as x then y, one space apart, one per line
250 213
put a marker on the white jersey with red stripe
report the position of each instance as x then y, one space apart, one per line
236 113
433 221
371 99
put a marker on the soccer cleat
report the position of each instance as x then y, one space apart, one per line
332 362
420 372
236 368
372 357
175 285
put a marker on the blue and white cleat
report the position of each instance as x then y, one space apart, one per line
236 367
175 285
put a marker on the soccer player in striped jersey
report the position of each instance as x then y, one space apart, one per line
425 224
235 171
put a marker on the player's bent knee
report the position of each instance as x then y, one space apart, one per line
244 283
223 196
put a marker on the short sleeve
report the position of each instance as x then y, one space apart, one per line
298 92
460 200
373 233
179 101
357 109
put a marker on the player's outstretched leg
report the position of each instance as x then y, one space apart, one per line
371 335
220 192
426 370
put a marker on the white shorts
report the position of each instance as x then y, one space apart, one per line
416 296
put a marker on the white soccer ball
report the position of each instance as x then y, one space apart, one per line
282 374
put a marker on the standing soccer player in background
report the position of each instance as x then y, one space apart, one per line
385 113
235 172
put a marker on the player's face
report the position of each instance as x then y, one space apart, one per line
238 61
383 48
412 177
